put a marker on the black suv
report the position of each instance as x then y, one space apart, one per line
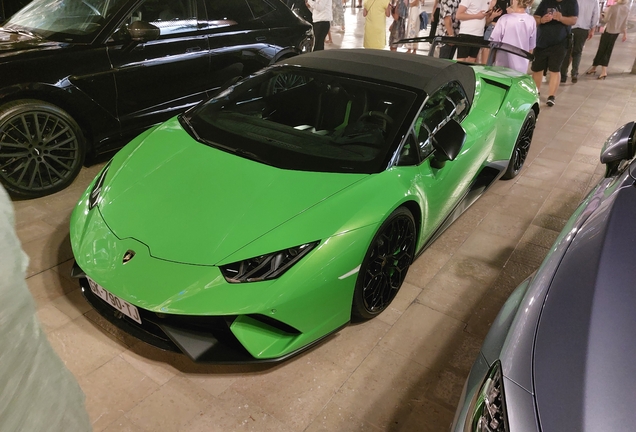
81 77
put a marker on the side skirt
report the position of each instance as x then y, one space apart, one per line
486 177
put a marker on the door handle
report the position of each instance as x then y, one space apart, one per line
193 49
261 38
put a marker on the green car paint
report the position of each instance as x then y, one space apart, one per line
187 209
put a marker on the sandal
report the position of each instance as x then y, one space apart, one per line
602 77
591 71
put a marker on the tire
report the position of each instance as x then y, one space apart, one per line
385 265
522 146
42 148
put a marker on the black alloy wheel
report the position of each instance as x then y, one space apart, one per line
41 148
385 265
522 146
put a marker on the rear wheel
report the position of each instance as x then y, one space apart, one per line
522 146
41 148
385 265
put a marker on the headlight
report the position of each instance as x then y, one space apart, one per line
489 407
265 267
93 198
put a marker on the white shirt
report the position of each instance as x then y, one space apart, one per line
474 26
321 10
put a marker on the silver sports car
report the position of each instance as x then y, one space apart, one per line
561 354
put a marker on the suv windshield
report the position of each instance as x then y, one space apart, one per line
64 20
304 120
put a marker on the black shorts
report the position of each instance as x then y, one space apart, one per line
552 57
464 51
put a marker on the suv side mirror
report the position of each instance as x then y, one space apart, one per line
619 146
141 31
448 142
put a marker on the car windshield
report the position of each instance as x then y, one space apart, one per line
304 120
64 20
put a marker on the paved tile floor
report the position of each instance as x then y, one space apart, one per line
403 371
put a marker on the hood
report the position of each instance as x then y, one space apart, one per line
195 204
14 43
584 369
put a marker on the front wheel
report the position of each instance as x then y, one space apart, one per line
522 146
41 148
385 265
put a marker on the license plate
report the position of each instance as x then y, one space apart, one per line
121 305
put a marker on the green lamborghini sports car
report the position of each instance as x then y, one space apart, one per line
261 221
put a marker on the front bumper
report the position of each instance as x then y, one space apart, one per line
205 339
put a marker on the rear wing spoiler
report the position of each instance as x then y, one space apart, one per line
494 46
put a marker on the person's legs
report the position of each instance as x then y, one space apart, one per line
447 51
565 64
539 64
555 56
609 47
321 28
580 37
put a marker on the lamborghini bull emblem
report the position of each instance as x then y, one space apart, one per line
130 254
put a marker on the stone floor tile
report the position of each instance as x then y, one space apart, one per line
556 154
382 388
517 206
231 412
407 295
48 286
171 407
427 265
47 252
426 416
122 424
488 247
113 389
72 304
295 391
335 419
83 347
51 317
33 230
504 225
528 193
539 236
529 254
421 334
550 222
151 361
349 347
455 290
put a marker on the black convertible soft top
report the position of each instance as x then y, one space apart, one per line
417 71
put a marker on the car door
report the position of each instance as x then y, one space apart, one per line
238 39
160 78
442 188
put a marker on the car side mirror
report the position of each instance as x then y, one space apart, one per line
447 143
618 147
141 31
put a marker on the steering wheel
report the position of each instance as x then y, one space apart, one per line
91 7
378 114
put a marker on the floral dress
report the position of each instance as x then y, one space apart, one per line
398 28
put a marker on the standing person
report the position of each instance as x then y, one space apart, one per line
499 8
448 26
413 25
434 19
472 15
322 14
553 19
337 10
516 28
375 13
615 20
582 31
399 12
